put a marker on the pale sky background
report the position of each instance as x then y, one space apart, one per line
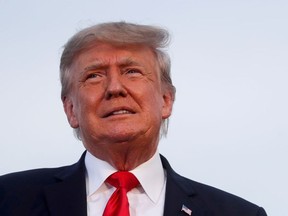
229 127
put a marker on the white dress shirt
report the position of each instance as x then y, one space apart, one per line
145 200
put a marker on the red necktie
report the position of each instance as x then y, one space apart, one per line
118 204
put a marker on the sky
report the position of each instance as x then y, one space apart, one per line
229 126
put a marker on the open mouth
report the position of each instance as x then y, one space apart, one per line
119 112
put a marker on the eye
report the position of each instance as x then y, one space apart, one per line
133 72
93 76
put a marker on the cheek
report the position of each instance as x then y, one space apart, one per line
89 96
85 103
155 103
154 98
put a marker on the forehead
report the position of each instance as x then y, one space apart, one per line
107 54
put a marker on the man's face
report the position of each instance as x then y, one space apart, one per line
116 96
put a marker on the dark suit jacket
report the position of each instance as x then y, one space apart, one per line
62 192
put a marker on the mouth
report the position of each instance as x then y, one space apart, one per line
119 112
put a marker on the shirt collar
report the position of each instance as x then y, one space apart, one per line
97 172
150 174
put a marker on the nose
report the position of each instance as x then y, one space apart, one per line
115 87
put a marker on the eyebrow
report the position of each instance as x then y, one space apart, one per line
99 64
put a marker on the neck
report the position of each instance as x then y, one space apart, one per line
125 156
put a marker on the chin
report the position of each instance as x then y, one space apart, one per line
120 135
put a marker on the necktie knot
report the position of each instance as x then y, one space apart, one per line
118 204
123 179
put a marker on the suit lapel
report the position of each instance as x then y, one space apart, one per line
68 195
180 193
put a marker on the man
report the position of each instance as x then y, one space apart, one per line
118 95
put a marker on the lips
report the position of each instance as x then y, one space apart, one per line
119 111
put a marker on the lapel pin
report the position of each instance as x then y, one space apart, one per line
186 210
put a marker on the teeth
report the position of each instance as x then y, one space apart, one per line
121 112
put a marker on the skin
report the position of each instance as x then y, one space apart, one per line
118 102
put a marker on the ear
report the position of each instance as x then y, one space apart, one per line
69 110
168 101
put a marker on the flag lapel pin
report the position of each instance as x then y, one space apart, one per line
186 210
